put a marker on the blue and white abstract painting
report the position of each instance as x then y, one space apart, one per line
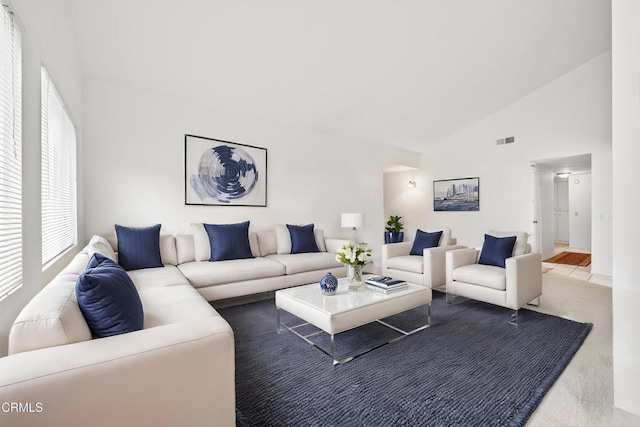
224 173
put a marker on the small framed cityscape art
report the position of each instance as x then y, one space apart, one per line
461 194
223 173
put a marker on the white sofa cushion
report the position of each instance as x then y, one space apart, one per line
445 240
333 244
112 239
147 278
53 316
201 242
283 239
300 263
100 245
185 248
168 249
173 304
488 276
205 273
319 235
412 263
267 242
253 244
521 239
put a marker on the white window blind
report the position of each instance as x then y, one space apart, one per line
10 155
58 174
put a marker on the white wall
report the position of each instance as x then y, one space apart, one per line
601 214
626 202
570 116
47 40
406 202
134 167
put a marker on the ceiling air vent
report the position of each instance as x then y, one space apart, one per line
507 140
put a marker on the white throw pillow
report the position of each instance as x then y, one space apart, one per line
253 244
201 242
168 251
267 242
319 235
283 239
99 244
185 248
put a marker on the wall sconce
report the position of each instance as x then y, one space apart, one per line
353 221
412 184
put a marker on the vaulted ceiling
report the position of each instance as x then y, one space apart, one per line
405 72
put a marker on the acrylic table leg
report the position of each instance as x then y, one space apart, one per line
279 327
333 350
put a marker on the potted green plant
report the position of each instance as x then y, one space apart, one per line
394 233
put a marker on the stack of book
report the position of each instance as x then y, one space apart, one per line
385 284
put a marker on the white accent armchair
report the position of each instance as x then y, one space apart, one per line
515 285
427 269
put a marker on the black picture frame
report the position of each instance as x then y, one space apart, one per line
224 173
459 194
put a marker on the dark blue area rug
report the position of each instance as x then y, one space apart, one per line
470 368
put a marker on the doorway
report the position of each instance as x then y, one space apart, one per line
562 204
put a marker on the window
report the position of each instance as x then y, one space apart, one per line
58 174
10 155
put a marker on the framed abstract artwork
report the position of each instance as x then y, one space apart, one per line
462 194
223 173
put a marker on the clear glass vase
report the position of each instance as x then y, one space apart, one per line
354 277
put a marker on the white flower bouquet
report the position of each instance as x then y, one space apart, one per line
351 254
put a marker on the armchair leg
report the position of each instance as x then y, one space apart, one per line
535 302
514 318
454 299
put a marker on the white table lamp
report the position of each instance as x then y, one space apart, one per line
353 221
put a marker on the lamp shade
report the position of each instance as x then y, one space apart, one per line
353 220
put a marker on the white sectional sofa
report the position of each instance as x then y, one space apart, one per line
272 267
178 370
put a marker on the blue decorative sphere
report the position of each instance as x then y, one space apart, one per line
329 284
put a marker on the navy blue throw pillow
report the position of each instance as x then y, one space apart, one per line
229 241
425 240
108 299
139 247
495 250
302 239
96 259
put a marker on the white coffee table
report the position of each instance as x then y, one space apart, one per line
348 310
